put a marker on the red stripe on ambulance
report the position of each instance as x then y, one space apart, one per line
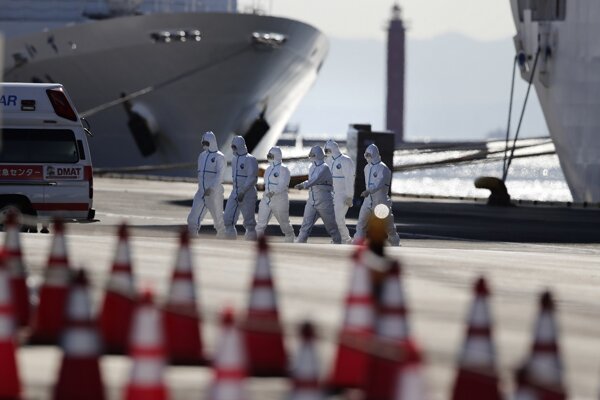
21 172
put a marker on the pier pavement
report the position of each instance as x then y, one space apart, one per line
445 246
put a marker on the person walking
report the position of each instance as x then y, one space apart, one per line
209 197
343 173
244 174
378 179
275 201
320 198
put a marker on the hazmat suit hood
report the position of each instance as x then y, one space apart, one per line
212 141
276 151
374 152
319 155
240 145
334 147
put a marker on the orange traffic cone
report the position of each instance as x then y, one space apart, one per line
18 272
352 359
390 343
544 366
305 372
148 353
392 322
229 362
264 338
182 329
10 384
79 376
48 320
477 376
119 300
410 382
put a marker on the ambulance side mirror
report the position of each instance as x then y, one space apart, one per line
87 127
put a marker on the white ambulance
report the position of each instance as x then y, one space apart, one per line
45 163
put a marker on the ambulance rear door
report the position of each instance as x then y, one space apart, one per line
66 173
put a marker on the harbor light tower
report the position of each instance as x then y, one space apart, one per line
395 75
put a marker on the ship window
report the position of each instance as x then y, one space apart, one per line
544 10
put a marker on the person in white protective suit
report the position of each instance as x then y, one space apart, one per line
320 198
275 201
209 197
244 174
343 174
378 179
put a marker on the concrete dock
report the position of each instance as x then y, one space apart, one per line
445 246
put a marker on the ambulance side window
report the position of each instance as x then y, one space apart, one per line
38 146
81 149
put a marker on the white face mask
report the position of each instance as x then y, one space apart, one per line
205 145
368 157
271 158
234 150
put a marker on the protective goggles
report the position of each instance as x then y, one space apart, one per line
270 156
205 143
233 147
327 151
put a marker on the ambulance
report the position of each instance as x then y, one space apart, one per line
45 161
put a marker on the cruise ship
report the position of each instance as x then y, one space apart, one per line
564 37
151 76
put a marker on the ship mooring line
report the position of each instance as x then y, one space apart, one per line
510 106
512 152
465 159
479 157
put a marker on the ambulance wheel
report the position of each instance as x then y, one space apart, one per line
31 215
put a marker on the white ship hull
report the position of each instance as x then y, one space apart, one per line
567 82
181 89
